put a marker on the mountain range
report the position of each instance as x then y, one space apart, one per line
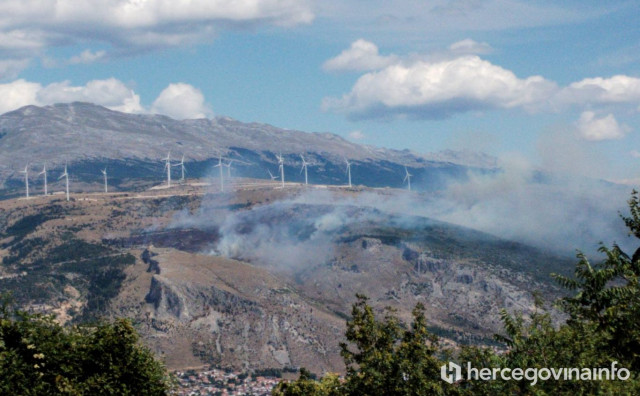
89 137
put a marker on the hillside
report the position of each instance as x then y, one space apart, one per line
132 146
260 278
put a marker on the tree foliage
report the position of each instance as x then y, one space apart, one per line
40 357
382 358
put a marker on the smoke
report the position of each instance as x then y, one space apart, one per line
302 229
549 212
275 236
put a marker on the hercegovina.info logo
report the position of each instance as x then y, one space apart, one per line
452 372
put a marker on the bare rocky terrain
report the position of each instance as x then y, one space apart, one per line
259 277
89 138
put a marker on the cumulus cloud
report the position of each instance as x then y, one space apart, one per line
635 153
181 101
617 89
130 25
110 93
606 128
458 80
362 55
178 100
438 89
17 94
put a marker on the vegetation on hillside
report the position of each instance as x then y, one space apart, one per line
602 327
100 269
40 357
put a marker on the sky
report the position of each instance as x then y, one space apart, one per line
552 84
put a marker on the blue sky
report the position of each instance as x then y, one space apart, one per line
552 84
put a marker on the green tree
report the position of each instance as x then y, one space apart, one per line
40 357
329 385
608 296
382 358
603 326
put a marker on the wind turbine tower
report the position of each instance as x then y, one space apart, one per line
44 172
26 178
304 168
281 167
66 176
229 169
220 165
104 173
407 178
182 168
348 170
167 166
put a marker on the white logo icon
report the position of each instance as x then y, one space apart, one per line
452 375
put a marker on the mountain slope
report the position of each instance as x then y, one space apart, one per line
260 278
90 137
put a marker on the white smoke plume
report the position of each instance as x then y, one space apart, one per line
555 214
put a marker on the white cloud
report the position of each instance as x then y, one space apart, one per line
30 26
356 135
469 46
635 153
87 57
17 94
362 55
606 128
414 20
110 93
438 89
617 89
181 101
456 81
178 100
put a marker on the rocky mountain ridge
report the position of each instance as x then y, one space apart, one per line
90 136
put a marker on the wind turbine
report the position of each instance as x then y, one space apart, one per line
220 165
44 172
229 169
167 166
348 170
271 175
407 178
26 178
104 173
304 168
281 167
182 168
66 176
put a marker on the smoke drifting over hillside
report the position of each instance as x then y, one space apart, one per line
551 213
555 214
